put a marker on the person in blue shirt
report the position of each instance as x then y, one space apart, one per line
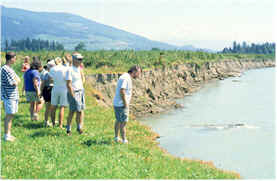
32 83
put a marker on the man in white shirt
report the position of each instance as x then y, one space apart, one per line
76 95
122 100
59 91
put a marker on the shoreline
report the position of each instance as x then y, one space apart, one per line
178 106
202 162
211 163
157 90
173 105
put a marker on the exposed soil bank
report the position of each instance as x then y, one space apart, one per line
157 89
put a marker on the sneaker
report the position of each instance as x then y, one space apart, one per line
9 138
125 141
117 139
35 117
47 124
68 132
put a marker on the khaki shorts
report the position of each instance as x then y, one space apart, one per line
77 103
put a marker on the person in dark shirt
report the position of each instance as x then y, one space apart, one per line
32 83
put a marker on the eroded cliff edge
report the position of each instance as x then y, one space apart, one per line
156 90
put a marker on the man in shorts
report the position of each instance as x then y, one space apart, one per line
9 93
122 100
76 95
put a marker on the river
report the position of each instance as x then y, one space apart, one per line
230 122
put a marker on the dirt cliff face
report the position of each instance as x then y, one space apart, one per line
156 90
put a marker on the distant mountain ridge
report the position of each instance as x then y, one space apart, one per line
71 29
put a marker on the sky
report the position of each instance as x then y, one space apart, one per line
212 24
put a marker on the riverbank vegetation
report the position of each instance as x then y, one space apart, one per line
112 61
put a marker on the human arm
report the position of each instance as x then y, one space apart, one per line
83 76
11 77
36 86
69 87
123 97
68 78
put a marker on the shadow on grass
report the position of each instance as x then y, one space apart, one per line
97 142
19 120
45 133
23 102
20 117
33 125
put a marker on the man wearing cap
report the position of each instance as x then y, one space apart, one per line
59 91
76 96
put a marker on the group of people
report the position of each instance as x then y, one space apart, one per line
59 84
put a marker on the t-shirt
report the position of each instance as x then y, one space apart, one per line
58 74
8 79
46 78
28 79
74 74
124 82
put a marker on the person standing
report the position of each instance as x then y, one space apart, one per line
25 66
76 95
122 100
9 93
32 83
59 91
46 88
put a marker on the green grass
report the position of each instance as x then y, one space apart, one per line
48 153
119 61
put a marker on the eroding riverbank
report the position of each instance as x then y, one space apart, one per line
157 89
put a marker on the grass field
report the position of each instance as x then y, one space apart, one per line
118 61
48 153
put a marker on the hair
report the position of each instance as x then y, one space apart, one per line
58 61
48 60
36 64
10 55
26 59
64 60
45 67
134 68
68 58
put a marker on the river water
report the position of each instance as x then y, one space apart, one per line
230 122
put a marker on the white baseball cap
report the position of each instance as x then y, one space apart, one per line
77 56
51 63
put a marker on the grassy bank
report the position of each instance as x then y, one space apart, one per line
48 153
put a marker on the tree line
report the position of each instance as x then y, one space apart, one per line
265 48
32 44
